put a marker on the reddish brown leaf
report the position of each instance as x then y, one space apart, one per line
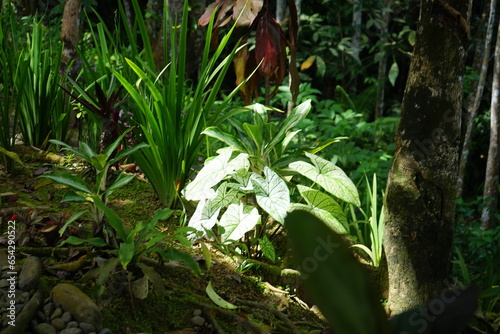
245 11
267 45
205 17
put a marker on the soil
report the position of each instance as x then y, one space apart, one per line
267 301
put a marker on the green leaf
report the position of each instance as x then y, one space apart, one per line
255 133
214 172
105 269
155 278
113 220
393 73
218 299
238 220
71 219
126 253
225 137
71 181
267 248
126 152
325 208
334 278
207 255
297 115
99 162
330 177
97 242
176 255
272 194
120 181
72 197
12 155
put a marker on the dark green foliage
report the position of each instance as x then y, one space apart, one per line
342 290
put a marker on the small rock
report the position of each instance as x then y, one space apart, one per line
41 316
56 314
105 331
197 312
140 288
72 324
197 320
30 273
58 324
45 328
4 283
48 309
81 307
87 328
71 331
66 316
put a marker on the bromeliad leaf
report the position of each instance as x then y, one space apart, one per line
214 172
330 177
237 220
272 194
71 181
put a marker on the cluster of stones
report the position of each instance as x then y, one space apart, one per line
17 288
24 311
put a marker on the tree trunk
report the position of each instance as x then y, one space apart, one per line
490 195
70 31
421 190
475 100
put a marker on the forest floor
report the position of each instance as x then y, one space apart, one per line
267 303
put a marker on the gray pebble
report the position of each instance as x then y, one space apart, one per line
57 313
48 309
41 316
66 316
58 324
72 324
197 312
4 283
45 329
105 331
197 320
87 328
71 331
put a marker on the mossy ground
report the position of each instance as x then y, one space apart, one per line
185 290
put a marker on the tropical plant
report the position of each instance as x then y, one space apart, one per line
82 192
44 110
170 113
133 245
8 109
333 181
237 188
371 235
344 294
263 141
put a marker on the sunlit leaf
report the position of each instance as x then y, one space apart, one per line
214 172
71 181
272 194
238 220
218 299
245 11
393 73
329 176
308 62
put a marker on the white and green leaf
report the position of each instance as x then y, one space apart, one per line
329 176
238 220
272 194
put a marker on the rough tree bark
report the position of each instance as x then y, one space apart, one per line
421 190
476 96
70 31
490 194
